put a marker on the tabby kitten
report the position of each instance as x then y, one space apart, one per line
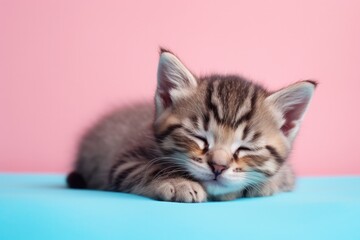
217 137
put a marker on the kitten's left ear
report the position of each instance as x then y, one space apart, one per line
290 105
175 81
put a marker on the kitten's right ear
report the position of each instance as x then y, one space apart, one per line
290 104
174 81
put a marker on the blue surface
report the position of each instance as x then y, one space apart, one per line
40 207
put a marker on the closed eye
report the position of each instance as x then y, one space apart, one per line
204 140
201 138
242 148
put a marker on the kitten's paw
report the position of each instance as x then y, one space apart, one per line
181 190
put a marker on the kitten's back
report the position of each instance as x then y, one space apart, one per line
114 134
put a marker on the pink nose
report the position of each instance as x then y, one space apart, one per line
217 169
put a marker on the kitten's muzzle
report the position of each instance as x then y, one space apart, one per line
219 162
217 169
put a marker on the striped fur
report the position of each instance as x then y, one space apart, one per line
216 137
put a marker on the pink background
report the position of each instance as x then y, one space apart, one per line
63 63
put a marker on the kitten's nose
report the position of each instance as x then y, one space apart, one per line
219 161
217 169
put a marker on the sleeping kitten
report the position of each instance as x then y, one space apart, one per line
217 137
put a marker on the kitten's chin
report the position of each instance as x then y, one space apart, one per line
220 187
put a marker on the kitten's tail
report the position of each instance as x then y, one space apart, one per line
76 180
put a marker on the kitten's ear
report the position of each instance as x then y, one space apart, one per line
174 81
290 105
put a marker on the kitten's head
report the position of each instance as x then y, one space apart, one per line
226 131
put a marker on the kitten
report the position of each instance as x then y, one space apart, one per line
217 137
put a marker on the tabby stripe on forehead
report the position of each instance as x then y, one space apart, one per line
194 120
222 90
247 116
168 131
210 105
121 177
275 154
206 120
245 132
241 99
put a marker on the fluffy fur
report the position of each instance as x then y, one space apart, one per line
217 137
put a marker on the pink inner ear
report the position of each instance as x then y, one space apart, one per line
293 114
165 86
166 100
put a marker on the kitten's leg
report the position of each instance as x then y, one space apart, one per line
155 181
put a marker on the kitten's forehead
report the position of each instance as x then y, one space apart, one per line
230 100
231 108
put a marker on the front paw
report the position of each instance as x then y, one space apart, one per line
181 190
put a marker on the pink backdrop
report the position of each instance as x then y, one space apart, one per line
62 63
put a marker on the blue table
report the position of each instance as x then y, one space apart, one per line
41 207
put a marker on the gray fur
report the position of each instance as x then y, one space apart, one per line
211 138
